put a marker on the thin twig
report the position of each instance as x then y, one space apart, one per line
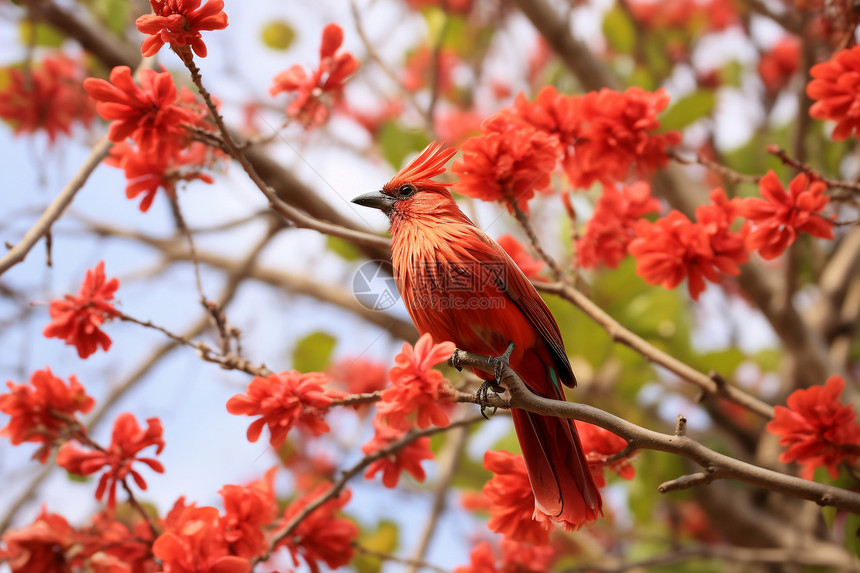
727 172
374 55
686 372
800 166
413 563
448 460
53 212
153 526
524 222
348 474
298 218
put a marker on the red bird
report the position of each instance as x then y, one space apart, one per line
459 285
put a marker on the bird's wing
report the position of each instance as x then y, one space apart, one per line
524 295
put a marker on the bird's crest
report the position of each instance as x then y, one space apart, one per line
421 170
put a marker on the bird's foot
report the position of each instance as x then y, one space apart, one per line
455 360
483 393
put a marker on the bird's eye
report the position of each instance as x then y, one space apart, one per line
406 190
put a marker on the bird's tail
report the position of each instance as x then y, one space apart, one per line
561 481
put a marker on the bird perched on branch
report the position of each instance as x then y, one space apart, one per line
460 285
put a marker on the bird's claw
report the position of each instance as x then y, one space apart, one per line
483 393
455 360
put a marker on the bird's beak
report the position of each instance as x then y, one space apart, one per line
376 200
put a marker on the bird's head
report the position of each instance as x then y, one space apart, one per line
412 192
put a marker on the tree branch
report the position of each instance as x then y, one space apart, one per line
17 253
619 333
717 465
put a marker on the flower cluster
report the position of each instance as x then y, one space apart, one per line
157 117
602 133
127 441
611 228
674 248
515 558
76 319
282 401
836 89
408 458
416 387
193 540
778 65
247 509
782 215
179 23
817 429
311 90
508 162
528 264
599 446
46 96
321 535
44 410
511 501
715 15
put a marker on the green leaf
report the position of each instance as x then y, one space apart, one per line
313 352
278 35
344 249
688 109
852 533
383 540
619 30
397 143
77 478
45 34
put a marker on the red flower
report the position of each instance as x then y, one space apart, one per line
618 136
247 509
530 267
512 503
516 558
602 134
728 248
818 430
283 401
611 227
507 163
150 113
43 411
599 445
76 319
555 114
779 65
360 376
179 23
147 173
674 248
456 125
192 543
418 71
416 387
451 6
407 458
320 536
665 250
781 215
109 546
837 88
40 547
48 96
327 80
127 441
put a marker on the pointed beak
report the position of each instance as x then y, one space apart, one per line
376 200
